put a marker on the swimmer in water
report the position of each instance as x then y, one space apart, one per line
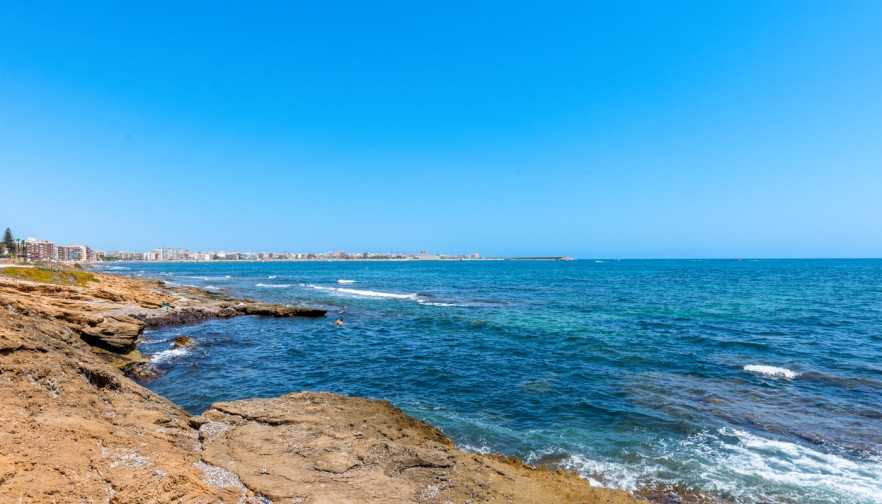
339 321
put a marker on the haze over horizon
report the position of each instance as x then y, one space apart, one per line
686 129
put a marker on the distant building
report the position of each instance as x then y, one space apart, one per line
170 254
76 253
120 255
39 250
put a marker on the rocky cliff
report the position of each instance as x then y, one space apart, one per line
73 428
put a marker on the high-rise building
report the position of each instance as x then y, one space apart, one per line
39 250
170 254
72 253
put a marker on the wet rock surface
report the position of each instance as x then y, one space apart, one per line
181 314
182 340
271 310
172 317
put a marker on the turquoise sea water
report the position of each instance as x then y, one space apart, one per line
750 381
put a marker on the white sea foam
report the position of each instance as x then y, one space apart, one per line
821 474
343 281
211 287
483 449
608 474
435 303
379 294
363 293
271 277
368 293
742 465
167 355
273 286
771 370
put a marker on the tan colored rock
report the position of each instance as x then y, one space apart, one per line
182 340
73 429
321 447
117 333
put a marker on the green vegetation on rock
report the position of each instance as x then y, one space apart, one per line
45 275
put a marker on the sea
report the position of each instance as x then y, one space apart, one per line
736 381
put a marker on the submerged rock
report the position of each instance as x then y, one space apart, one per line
182 340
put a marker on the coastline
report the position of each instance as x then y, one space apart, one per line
78 428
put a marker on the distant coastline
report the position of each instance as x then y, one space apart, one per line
406 259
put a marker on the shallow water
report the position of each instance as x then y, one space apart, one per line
753 381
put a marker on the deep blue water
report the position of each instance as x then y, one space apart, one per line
753 381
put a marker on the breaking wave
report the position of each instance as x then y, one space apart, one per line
778 471
364 293
771 370
168 355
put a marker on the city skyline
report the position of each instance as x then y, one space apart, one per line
41 250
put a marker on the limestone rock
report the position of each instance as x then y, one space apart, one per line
76 430
271 310
320 447
182 340
227 312
116 333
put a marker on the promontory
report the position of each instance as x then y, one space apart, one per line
75 428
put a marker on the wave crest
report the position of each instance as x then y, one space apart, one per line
771 370
168 355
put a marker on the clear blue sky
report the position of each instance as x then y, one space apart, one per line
637 129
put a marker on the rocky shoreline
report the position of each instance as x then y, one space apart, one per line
76 429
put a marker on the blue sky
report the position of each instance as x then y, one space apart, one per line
591 129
